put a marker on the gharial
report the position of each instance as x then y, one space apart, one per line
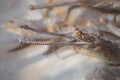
98 36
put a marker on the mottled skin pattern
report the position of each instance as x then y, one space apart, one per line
106 51
109 52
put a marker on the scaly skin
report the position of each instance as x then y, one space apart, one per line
106 51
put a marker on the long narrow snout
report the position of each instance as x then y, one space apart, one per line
53 38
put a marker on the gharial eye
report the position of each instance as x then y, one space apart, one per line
78 33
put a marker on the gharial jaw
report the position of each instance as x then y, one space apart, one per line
95 45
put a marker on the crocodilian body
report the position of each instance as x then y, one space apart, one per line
94 45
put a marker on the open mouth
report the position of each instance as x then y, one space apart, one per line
55 39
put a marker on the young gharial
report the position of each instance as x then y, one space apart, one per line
94 29
93 45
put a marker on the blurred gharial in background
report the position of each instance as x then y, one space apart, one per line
81 38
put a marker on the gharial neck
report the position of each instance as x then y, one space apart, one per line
107 52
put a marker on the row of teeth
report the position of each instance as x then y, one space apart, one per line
24 41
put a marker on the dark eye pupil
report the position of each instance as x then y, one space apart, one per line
24 26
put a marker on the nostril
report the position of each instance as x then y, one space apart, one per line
24 26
